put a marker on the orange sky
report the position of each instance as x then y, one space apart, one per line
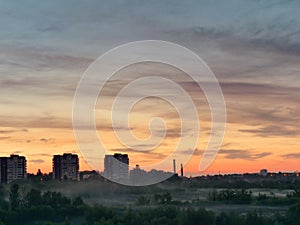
260 152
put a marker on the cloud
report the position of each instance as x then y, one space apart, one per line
147 154
34 122
196 152
260 24
13 131
45 140
41 154
291 156
272 131
37 161
105 126
40 60
270 109
4 138
243 154
16 152
248 103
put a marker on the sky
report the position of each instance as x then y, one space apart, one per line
252 47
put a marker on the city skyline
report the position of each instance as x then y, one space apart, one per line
72 159
71 165
253 52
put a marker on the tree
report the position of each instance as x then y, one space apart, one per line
293 214
164 198
14 197
254 218
77 201
55 199
67 221
212 195
34 198
230 219
197 217
142 200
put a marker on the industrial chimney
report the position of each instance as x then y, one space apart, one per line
174 166
181 170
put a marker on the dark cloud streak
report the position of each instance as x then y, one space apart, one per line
243 154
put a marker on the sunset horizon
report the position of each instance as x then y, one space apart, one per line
150 112
252 51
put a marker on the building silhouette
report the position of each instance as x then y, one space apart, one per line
116 166
65 167
12 168
263 172
137 175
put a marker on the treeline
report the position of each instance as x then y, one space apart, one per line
244 182
231 196
243 196
99 215
53 208
228 196
35 197
159 198
24 207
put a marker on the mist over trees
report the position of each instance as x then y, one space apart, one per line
29 204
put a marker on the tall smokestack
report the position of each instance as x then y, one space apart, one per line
174 166
181 170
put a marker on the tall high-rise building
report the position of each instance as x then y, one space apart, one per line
3 169
108 166
65 167
116 166
12 168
